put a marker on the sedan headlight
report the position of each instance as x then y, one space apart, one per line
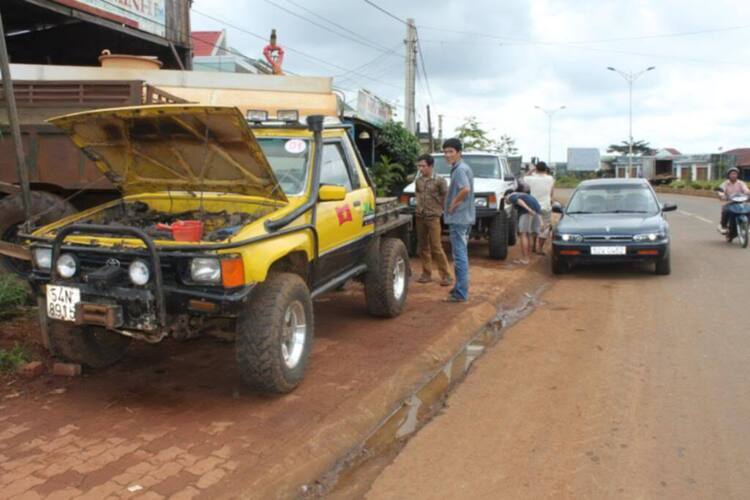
205 270
480 202
648 237
67 265
42 258
139 272
572 238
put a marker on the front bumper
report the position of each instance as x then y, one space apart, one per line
634 252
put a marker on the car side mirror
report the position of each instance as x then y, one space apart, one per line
331 193
509 178
668 207
411 177
557 208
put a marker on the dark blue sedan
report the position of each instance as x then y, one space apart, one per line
612 220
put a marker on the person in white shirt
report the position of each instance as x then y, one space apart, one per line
542 186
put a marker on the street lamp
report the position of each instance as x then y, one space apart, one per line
549 113
630 78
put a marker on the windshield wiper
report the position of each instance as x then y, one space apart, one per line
579 212
627 212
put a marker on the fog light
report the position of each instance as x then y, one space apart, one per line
67 266
139 272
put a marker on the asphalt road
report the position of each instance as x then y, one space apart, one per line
621 384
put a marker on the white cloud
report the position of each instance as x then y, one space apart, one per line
696 100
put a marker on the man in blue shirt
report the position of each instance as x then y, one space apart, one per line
529 218
459 216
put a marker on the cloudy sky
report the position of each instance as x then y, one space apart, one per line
498 60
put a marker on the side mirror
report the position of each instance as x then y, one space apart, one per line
668 207
411 177
557 208
719 189
509 178
331 193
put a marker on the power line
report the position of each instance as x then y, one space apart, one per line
578 46
291 49
343 28
424 70
375 61
288 11
381 9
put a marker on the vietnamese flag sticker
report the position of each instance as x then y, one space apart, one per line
344 214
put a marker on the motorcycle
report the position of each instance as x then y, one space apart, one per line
739 211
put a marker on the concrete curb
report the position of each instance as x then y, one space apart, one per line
412 411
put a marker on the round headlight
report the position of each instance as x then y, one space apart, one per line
139 272
67 265
652 237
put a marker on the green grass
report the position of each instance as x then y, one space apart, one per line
699 185
13 294
10 359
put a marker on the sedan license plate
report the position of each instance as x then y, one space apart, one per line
61 302
608 250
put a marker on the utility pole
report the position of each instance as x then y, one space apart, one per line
410 75
15 128
440 130
549 113
630 78
429 129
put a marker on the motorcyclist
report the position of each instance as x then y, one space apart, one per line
730 187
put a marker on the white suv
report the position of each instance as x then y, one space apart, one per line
492 177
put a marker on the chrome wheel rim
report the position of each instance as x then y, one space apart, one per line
294 334
399 278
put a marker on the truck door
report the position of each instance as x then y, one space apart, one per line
344 227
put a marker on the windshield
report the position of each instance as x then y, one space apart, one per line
483 166
607 199
288 159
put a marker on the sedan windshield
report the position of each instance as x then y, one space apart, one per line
608 199
486 166
288 160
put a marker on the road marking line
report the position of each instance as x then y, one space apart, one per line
689 214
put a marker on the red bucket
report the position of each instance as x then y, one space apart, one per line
185 230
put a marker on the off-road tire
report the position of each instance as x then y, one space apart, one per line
12 215
558 265
498 236
663 266
382 260
513 229
260 333
91 346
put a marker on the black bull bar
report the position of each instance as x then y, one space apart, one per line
117 231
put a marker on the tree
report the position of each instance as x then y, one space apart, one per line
473 136
398 145
388 176
640 148
506 145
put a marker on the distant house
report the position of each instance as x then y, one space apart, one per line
211 53
739 158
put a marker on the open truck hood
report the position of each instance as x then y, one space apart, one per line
144 149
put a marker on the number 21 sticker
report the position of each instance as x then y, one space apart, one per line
295 146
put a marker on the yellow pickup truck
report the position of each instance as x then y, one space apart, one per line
225 223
